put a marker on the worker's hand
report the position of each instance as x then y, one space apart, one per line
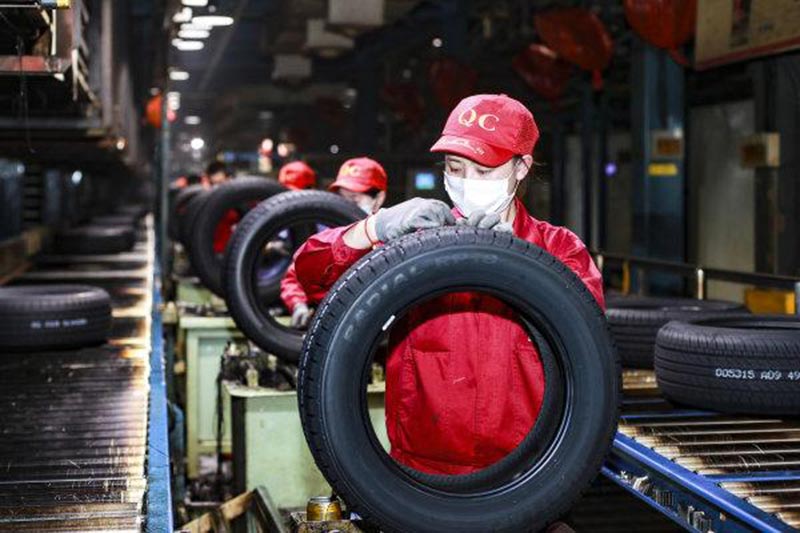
410 216
301 316
479 219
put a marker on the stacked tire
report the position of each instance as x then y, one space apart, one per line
737 364
636 321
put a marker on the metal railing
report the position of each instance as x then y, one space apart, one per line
696 273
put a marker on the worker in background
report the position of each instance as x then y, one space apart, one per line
361 180
216 174
436 424
297 176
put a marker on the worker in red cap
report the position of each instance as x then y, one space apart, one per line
361 180
297 176
459 399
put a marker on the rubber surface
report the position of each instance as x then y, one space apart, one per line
249 299
337 355
95 240
241 194
35 317
635 321
742 364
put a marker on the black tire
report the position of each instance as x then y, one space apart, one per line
738 364
241 194
337 354
137 211
114 220
95 240
186 222
635 321
179 208
38 317
248 298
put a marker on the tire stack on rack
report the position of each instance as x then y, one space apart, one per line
103 234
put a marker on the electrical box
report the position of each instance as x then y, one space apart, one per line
760 150
667 144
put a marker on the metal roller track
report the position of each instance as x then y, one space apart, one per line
704 470
73 436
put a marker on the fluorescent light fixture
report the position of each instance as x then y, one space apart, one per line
184 15
178 75
187 46
213 20
197 143
192 120
193 34
195 3
194 26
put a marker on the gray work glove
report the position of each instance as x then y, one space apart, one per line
479 219
301 316
410 216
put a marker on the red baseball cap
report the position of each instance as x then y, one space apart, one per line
297 175
489 129
361 174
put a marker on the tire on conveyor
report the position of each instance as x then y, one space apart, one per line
635 321
95 240
185 223
240 194
38 317
578 416
179 209
737 364
247 297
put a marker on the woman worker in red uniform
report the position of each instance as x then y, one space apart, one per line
464 383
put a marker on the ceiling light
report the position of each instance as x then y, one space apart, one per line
437 42
193 34
192 120
334 149
213 20
197 143
121 144
77 176
178 75
184 15
195 3
187 46
193 26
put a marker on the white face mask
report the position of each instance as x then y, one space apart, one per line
470 195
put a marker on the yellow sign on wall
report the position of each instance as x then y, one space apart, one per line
734 30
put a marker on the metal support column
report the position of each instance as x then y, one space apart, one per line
659 216
776 85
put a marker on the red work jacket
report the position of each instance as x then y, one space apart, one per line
224 230
464 383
